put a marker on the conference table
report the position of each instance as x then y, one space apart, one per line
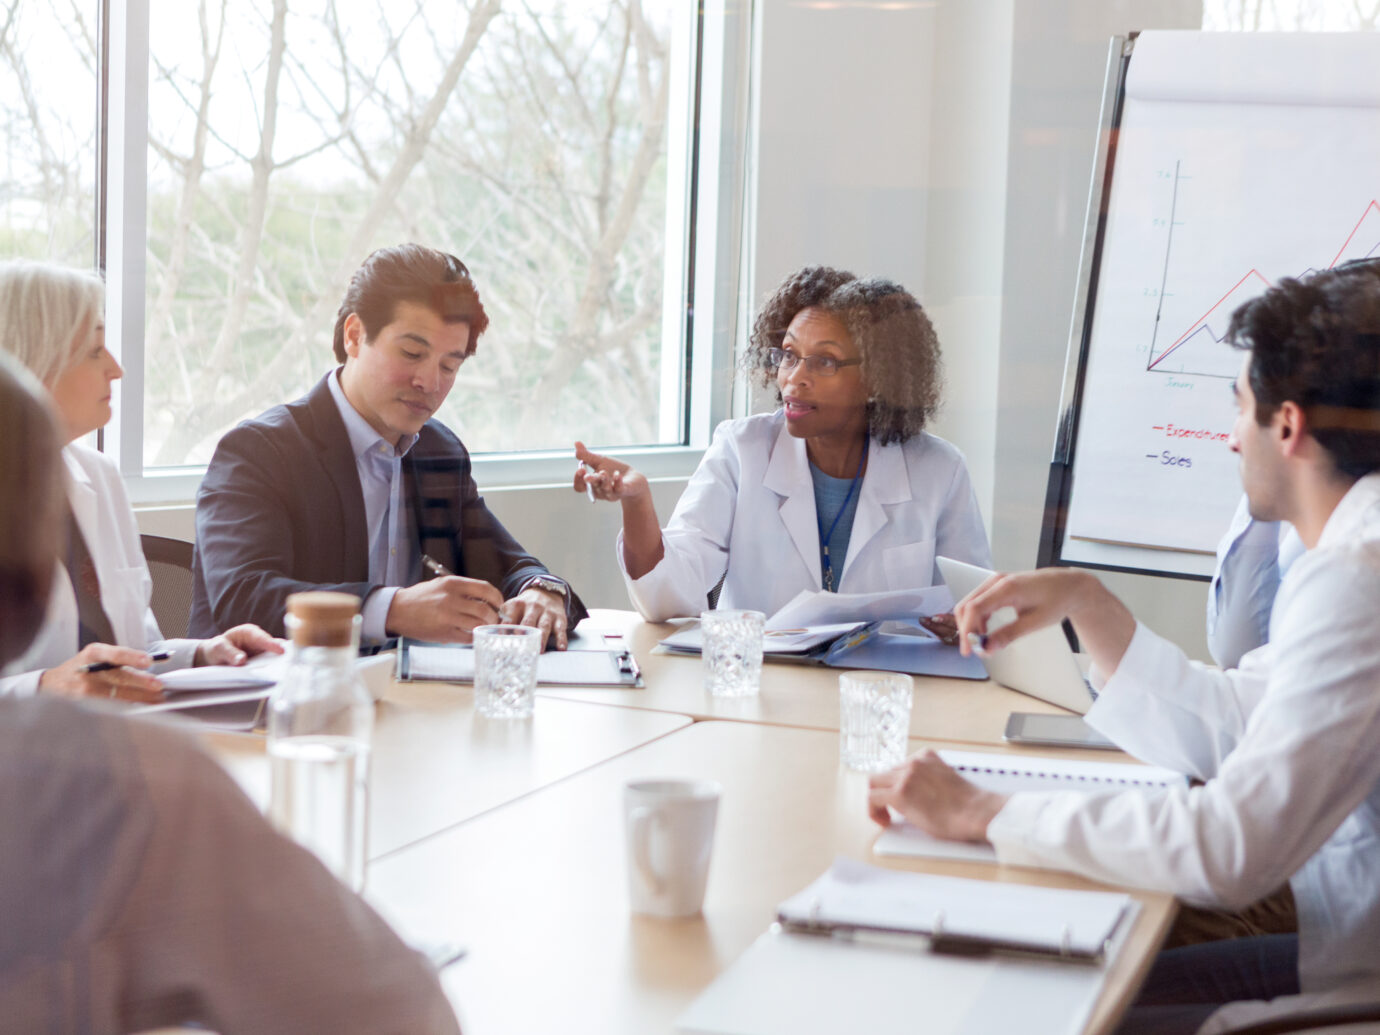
438 762
506 835
792 694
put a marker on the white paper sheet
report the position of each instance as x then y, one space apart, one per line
821 608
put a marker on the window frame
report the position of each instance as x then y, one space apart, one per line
707 214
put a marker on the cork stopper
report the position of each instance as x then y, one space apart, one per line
322 619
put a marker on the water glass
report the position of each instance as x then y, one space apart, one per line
505 670
732 652
874 719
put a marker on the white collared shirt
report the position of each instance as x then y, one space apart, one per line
1289 745
392 549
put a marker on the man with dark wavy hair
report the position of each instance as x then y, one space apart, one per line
1287 745
354 486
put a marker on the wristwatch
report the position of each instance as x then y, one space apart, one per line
548 583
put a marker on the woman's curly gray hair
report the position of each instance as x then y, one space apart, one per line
901 365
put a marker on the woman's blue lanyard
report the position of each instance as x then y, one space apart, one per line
824 539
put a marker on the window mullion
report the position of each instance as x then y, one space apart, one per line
126 228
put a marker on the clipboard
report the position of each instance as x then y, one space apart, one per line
588 661
958 915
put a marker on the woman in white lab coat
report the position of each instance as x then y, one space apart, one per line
841 489
51 320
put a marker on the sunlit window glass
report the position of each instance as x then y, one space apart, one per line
48 130
288 139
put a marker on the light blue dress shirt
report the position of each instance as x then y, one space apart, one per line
393 558
1252 559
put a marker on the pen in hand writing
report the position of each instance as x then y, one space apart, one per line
435 566
106 666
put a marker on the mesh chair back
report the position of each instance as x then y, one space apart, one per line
713 598
170 564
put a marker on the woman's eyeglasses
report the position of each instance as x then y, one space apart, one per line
820 366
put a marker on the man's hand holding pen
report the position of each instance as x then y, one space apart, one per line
448 608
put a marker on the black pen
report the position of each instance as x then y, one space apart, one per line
106 666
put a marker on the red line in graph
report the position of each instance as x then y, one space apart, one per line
1194 325
1198 323
1373 205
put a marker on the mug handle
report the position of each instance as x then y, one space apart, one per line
640 822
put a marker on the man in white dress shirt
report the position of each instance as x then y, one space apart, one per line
139 887
1288 744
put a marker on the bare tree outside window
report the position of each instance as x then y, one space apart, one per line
289 138
1290 15
48 129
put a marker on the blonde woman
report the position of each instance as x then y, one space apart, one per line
52 321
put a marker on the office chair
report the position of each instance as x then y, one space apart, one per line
712 599
1314 1020
170 564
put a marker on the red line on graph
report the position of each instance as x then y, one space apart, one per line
1373 205
1194 325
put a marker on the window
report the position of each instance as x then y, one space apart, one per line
1290 15
48 125
259 149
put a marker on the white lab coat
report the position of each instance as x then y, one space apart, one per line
748 514
1289 745
103 513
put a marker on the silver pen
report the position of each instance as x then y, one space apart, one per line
434 566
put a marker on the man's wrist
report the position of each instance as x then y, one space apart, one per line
983 809
550 584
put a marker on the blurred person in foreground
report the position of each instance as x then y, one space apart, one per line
1287 744
139 888
840 489
52 320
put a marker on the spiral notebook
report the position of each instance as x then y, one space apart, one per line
1007 774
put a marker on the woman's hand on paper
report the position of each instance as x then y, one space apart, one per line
932 796
125 681
236 646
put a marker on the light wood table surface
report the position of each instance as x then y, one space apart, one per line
437 762
537 889
797 695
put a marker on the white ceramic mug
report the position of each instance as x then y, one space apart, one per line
670 832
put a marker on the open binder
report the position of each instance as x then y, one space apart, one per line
857 645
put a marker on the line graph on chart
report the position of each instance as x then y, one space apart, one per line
1200 349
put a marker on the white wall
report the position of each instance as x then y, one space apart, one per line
1059 52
